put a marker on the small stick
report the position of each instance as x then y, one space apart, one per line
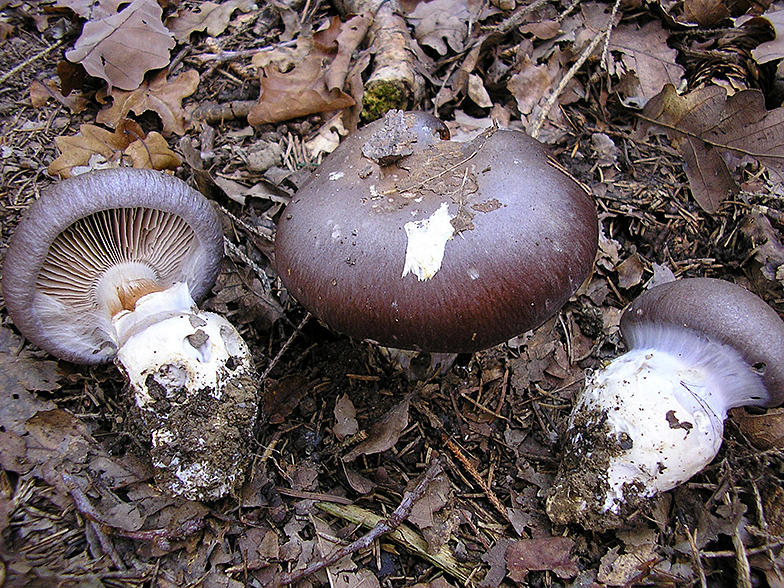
283 349
400 514
695 552
605 36
497 504
742 567
30 60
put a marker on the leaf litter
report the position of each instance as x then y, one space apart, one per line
348 437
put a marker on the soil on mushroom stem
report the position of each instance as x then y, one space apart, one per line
503 410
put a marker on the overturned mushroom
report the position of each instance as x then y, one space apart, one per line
420 243
654 417
106 266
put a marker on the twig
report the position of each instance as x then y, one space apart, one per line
695 553
383 527
161 537
742 567
587 52
283 349
455 449
4 78
605 36
86 509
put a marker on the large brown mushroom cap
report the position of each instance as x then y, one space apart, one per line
523 237
55 271
723 312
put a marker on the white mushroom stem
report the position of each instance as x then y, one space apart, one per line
647 422
192 380
668 417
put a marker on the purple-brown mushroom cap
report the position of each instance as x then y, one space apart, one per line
721 311
82 228
523 237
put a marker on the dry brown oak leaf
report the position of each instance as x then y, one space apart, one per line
161 95
97 147
705 125
214 18
122 46
315 84
644 63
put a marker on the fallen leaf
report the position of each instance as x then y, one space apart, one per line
282 396
345 418
363 578
383 434
152 152
40 92
206 16
765 431
495 557
357 481
328 137
645 57
767 247
770 50
548 553
706 125
121 47
161 95
530 84
95 148
441 22
92 9
312 85
706 13
76 150
630 271
434 499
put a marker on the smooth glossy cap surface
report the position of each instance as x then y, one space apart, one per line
87 238
436 245
724 312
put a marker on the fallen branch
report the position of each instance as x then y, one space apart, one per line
395 82
381 527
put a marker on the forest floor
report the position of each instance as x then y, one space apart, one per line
346 434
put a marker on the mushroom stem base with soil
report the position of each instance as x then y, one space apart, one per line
644 424
194 390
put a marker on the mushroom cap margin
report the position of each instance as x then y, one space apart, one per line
70 200
724 312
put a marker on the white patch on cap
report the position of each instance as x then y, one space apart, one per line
427 242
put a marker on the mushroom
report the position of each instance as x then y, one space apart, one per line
107 266
420 243
652 418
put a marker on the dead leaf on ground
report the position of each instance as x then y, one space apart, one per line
706 127
547 553
768 249
92 9
771 50
644 62
152 152
443 24
345 418
206 16
764 431
315 84
40 92
96 148
161 95
121 47
383 434
282 396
